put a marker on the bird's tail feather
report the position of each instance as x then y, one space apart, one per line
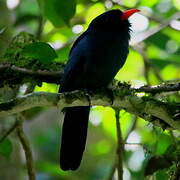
74 135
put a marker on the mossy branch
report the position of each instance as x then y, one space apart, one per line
163 114
50 76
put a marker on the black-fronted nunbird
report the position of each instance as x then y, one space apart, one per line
94 59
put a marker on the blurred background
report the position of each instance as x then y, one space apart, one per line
154 58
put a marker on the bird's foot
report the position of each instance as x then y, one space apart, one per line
110 94
88 94
107 91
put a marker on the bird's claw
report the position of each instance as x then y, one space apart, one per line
88 93
110 94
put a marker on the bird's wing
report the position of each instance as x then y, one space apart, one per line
73 76
77 41
73 73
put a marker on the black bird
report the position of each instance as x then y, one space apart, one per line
94 59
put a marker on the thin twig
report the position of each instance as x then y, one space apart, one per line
147 63
110 177
28 152
29 71
40 27
138 144
120 147
38 72
12 128
40 75
159 88
143 36
146 71
111 174
133 126
55 76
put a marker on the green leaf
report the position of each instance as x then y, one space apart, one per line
58 11
28 7
25 18
66 9
162 175
48 10
6 148
158 39
41 51
163 144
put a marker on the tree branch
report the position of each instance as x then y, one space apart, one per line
159 88
27 150
55 77
41 75
10 130
120 147
112 171
141 49
157 112
133 125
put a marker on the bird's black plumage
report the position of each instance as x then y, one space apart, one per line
95 58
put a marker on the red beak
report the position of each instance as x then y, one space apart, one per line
126 14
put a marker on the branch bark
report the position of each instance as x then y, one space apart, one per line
120 147
55 77
9 131
28 152
157 112
159 88
41 75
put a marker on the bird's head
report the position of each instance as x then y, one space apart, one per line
113 20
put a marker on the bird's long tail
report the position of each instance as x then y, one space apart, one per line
74 135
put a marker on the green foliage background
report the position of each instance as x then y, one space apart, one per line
55 21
